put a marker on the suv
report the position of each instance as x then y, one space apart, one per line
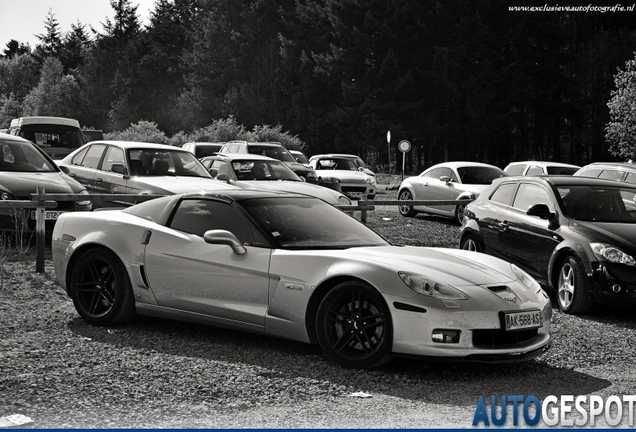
619 171
540 168
274 150
57 136
202 149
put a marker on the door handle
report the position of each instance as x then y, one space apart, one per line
503 225
99 180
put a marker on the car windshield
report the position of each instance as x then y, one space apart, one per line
263 170
20 157
599 204
153 163
276 152
336 164
557 170
309 223
203 150
479 175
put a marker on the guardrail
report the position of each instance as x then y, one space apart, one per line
42 201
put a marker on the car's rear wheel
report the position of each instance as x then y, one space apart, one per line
573 295
101 289
470 243
460 212
406 210
354 326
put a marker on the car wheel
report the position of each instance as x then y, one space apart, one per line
406 210
101 290
573 295
469 242
354 326
460 212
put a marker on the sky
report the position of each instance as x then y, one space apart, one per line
22 20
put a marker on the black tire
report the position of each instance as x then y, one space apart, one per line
469 242
573 295
101 289
406 210
354 327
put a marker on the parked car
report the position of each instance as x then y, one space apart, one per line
619 171
274 150
249 171
24 167
448 181
57 136
202 149
92 135
300 157
576 235
341 174
122 167
293 266
540 168
357 161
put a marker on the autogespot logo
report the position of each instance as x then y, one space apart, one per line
564 410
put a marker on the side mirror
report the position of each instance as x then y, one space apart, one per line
445 179
118 168
224 237
213 172
543 211
65 170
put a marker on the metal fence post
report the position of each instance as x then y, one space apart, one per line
39 231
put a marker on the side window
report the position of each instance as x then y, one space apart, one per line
426 174
196 216
631 178
114 155
590 172
77 159
93 156
453 177
535 170
529 195
612 175
504 194
439 172
515 170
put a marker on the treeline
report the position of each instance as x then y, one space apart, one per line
459 79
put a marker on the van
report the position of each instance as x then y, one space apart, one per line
57 136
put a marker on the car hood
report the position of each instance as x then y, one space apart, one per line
323 193
618 234
25 183
176 184
441 264
344 175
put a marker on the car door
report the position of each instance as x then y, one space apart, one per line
489 212
188 274
442 190
106 180
526 240
84 166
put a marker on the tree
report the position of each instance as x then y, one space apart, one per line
56 94
621 130
51 41
15 48
74 45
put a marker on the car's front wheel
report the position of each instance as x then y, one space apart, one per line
470 243
354 326
406 210
101 289
460 213
573 295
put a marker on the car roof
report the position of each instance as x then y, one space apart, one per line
563 180
460 164
240 156
243 194
258 143
543 163
626 165
137 144
343 155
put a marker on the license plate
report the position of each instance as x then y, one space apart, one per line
355 194
523 320
48 214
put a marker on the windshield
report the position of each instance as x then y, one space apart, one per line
18 157
48 135
151 162
336 164
276 152
556 170
263 170
599 204
309 223
479 175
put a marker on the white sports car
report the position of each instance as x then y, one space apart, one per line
296 267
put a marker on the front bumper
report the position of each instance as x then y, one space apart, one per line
611 283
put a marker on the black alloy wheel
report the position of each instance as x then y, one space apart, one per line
406 210
354 326
101 289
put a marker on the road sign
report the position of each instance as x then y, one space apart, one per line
404 146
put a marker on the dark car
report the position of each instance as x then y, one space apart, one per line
23 167
573 234
274 150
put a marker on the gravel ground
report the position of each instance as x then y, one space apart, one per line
64 373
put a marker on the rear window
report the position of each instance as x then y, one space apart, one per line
515 170
275 152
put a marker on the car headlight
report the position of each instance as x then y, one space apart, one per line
6 196
370 180
343 200
430 287
526 279
84 203
606 252
330 180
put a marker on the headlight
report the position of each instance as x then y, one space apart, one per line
431 288
84 203
606 252
330 180
526 279
343 200
370 180
6 196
